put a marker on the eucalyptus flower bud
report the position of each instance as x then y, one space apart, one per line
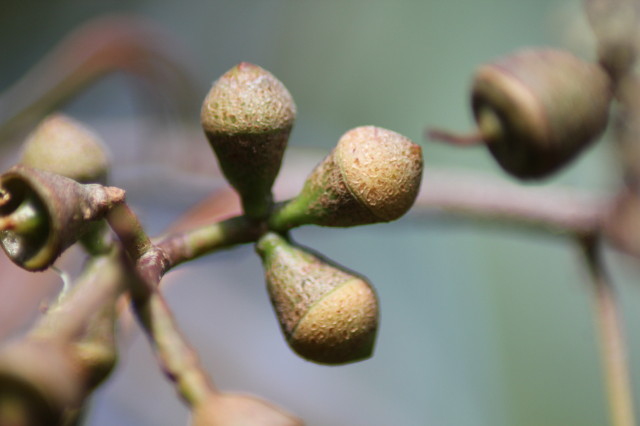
537 109
327 314
372 175
64 146
247 117
239 410
42 213
40 381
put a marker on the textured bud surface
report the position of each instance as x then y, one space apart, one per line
550 105
372 175
326 313
247 117
62 145
381 168
247 99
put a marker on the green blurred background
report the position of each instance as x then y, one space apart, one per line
480 326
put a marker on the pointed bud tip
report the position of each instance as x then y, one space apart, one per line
247 99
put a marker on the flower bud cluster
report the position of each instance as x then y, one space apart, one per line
327 313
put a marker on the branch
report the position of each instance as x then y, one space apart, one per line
497 202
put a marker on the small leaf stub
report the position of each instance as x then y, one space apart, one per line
64 146
372 175
42 214
327 314
537 109
247 117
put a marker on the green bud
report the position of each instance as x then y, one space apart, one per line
327 314
42 213
247 117
373 175
64 146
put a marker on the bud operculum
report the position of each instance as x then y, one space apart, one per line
372 175
42 213
247 117
327 314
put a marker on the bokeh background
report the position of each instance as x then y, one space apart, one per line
480 326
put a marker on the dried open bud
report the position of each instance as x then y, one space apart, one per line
247 117
64 146
327 314
373 175
42 213
537 109
238 410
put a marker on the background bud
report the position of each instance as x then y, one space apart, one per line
538 108
64 146
327 314
247 117
373 175
239 410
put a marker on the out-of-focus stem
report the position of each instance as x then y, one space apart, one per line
611 339
99 47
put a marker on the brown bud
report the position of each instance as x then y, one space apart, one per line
42 213
537 109
40 380
540 108
64 146
239 410
327 314
247 117
372 175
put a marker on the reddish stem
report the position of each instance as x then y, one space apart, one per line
454 139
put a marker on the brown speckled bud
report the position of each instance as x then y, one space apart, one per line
247 117
538 108
327 314
373 175
42 213
64 146
239 410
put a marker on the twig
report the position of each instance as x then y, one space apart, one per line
493 201
611 338
99 47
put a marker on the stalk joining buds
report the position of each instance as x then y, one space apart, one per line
247 117
372 175
42 214
327 314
